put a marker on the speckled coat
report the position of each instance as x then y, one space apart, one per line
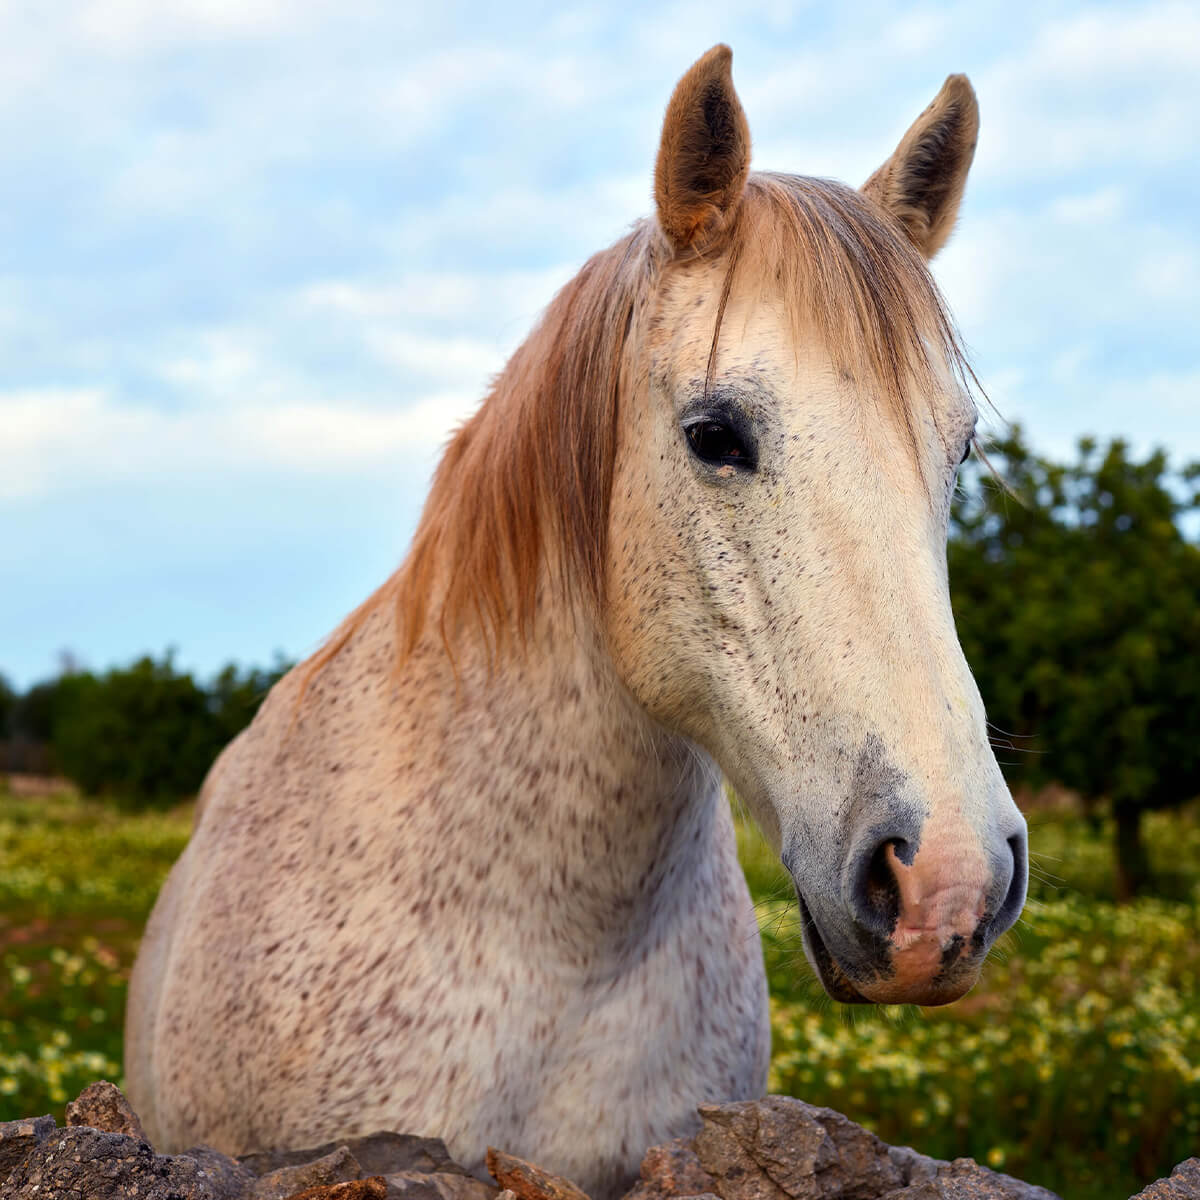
471 872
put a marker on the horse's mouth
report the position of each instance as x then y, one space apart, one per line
829 971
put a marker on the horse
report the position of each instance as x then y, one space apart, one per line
471 871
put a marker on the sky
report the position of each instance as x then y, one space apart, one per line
258 258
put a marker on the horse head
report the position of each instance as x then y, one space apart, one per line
793 411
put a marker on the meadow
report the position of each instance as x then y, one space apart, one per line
1075 1063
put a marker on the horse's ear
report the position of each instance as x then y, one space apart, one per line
922 183
704 155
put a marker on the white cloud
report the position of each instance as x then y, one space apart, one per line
460 358
457 298
1101 206
262 240
82 439
135 26
1100 90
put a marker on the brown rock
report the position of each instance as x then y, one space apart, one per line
1182 1184
102 1105
340 1166
784 1149
18 1139
527 1181
965 1179
374 1188
670 1170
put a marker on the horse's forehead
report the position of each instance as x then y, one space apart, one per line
759 345
765 349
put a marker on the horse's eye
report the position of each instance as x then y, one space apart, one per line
966 455
717 443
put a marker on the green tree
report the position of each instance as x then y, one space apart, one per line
147 734
8 704
34 712
235 696
1077 595
142 734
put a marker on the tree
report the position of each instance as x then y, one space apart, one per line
147 733
143 734
1077 596
235 697
8 704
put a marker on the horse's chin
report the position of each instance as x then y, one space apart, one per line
888 986
833 979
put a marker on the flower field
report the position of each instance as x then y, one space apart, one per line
77 882
1075 1063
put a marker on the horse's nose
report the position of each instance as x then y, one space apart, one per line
1009 888
948 889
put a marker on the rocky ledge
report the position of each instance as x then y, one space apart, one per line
772 1149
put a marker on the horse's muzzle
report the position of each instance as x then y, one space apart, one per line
913 924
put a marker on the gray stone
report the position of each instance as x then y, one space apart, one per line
20 1138
101 1105
1182 1184
914 1167
965 1179
438 1185
226 1176
81 1163
340 1166
377 1154
413 1185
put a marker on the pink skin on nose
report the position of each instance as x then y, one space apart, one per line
942 894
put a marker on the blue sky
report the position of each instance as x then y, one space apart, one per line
258 257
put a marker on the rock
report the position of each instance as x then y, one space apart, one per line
1182 1184
226 1176
965 1179
20 1138
914 1167
438 1185
374 1188
338 1167
415 1185
784 1149
377 1154
671 1170
81 1162
527 1181
102 1105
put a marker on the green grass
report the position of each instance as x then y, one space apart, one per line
1075 1063
77 881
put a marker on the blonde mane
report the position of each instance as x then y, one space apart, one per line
521 498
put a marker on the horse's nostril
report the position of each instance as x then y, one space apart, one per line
1014 897
875 892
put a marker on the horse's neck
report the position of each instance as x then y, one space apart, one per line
550 770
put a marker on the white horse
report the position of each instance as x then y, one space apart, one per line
471 871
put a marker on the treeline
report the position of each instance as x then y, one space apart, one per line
141 735
1076 589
